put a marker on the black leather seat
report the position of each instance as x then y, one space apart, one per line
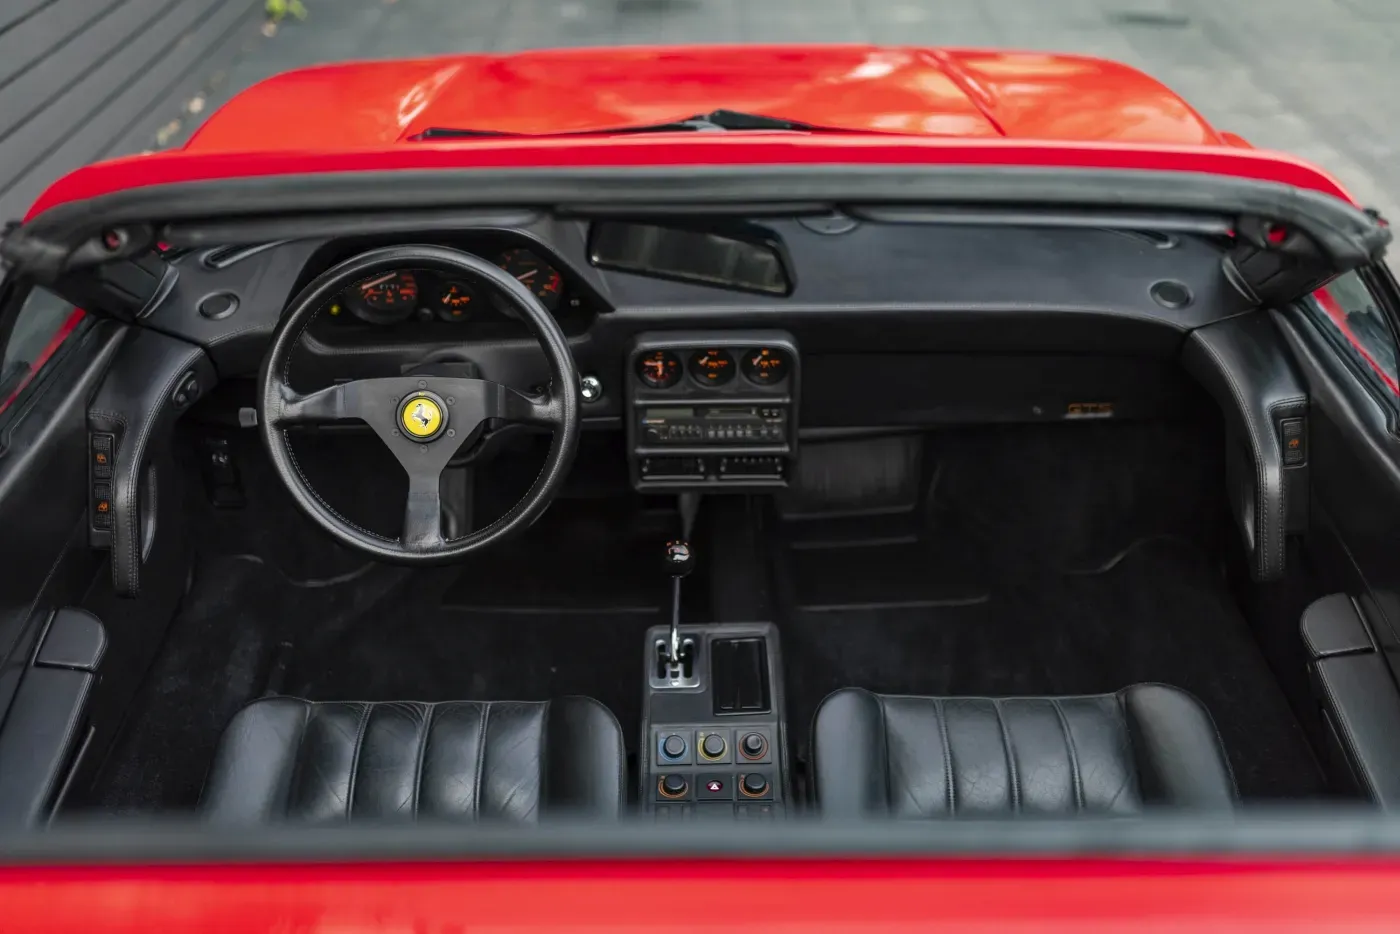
286 758
901 756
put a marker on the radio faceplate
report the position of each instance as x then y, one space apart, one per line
712 410
713 424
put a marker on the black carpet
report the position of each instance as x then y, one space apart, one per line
492 629
1055 561
1066 559
1160 614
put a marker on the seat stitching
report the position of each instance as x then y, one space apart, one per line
426 731
1075 777
1010 756
480 760
355 758
941 712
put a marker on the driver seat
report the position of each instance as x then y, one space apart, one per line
284 758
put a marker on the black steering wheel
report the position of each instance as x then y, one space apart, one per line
422 419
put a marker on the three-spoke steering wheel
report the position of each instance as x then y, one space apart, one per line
422 419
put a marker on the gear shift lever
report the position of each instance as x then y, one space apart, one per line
679 561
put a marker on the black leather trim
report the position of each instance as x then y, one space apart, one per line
1332 625
905 756
1362 704
38 740
75 639
287 758
135 403
1243 363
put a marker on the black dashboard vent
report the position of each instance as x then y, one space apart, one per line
224 256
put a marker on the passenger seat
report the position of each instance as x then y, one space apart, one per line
1101 754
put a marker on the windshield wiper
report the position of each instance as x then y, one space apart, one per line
714 121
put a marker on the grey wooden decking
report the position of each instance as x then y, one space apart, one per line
82 80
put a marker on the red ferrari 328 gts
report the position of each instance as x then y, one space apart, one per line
699 459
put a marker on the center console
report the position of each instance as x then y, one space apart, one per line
712 410
712 738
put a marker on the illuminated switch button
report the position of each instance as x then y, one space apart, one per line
715 788
1295 446
712 746
753 746
672 787
754 785
673 747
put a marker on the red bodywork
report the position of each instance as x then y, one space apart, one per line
812 897
901 106
928 92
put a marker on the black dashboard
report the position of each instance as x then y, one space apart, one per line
882 325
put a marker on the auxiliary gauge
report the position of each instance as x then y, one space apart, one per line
766 366
712 366
659 369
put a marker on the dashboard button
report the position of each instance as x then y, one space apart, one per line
672 787
713 746
754 785
673 746
753 746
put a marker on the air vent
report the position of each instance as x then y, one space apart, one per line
225 256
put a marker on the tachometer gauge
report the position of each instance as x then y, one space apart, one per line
659 369
712 366
454 301
766 366
385 299
535 274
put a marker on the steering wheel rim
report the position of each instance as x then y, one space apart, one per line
391 406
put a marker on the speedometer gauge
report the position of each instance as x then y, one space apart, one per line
385 299
535 274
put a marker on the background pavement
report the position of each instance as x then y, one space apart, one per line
1317 78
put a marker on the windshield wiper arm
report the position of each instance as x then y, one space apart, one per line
714 121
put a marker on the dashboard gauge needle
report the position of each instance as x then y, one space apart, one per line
527 275
373 282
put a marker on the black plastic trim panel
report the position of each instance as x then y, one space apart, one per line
1244 364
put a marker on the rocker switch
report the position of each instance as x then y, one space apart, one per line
1295 443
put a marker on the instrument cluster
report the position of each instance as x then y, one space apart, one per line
404 294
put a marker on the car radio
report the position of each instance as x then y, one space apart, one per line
712 410
713 424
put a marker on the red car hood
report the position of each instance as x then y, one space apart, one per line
902 106
929 92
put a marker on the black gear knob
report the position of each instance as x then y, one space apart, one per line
679 559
